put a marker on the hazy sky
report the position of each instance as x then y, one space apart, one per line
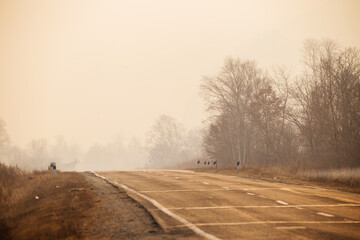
89 70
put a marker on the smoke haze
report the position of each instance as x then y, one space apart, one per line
91 70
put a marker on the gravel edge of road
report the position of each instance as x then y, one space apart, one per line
130 196
159 217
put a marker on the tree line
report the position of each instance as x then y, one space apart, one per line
255 119
168 145
262 119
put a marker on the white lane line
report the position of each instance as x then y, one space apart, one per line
194 228
205 183
316 188
204 208
183 190
324 214
277 222
171 214
275 206
282 202
255 189
291 227
180 171
251 194
322 195
190 190
223 188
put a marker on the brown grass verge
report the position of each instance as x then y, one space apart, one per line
10 178
345 180
37 206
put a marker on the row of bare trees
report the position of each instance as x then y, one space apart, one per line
311 120
38 153
168 145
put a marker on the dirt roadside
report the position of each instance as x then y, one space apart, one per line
77 206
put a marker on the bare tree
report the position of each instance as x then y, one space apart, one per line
286 141
327 98
4 142
38 154
193 144
228 96
266 108
4 137
166 142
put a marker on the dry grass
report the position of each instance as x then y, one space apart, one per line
348 176
10 178
58 213
344 179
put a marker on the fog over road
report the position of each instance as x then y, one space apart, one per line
228 207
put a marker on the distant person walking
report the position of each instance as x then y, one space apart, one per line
52 167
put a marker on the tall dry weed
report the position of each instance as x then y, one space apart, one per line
346 176
10 178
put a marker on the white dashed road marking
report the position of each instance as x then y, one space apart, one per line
262 206
325 214
282 202
282 224
183 190
277 222
259 188
291 227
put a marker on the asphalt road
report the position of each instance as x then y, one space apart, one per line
217 206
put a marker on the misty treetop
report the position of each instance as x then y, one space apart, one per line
261 119
170 144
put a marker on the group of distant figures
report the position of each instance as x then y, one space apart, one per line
208 163
214 163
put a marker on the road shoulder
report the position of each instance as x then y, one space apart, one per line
77 206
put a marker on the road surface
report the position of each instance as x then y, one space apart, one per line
218 206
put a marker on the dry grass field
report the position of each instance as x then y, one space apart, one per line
72 206
345 179
37 206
